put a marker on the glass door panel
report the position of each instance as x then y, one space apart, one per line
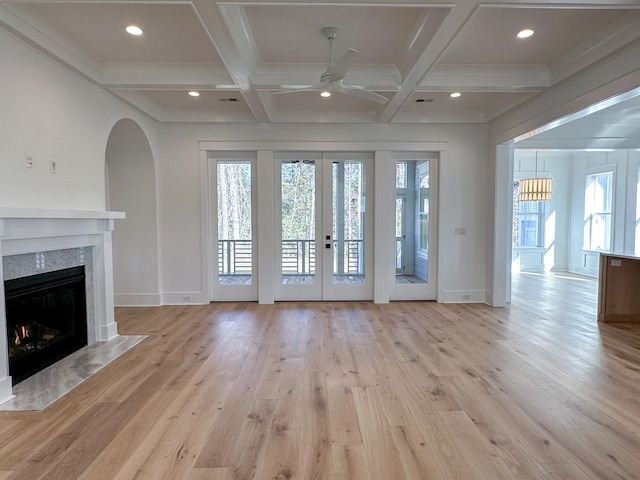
348 182
298 215
235 248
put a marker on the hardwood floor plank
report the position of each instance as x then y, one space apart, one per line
210 474
111 459
224 433
414 453
478 450
349 462
342 411
315 443
567 471
380 450
251 443
281 458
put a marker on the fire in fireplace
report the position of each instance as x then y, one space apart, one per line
46 319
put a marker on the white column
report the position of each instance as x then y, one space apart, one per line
5 379
383 245
103 281
500 256
266 227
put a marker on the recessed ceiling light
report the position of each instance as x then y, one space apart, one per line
455 94
325 93
526 33
134 30
193 93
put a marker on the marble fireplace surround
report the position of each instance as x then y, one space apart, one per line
39 240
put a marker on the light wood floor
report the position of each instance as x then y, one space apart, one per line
351 391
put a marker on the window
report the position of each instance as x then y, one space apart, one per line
528 221
598 199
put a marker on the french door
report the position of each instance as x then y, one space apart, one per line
323 226
232 206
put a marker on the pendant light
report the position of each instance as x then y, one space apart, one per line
535 189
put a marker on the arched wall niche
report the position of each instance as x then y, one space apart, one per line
131 188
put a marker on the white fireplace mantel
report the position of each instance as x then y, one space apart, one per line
36 231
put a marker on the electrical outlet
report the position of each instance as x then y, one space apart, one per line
29 161
460 231
186 298
466 296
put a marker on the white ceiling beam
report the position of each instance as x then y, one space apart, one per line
497 78
420 37
216 29
601 44
237 23
452 24
376 77
135 75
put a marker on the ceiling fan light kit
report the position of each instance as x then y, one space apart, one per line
332 79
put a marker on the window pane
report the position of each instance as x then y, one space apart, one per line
399 220
528 221
401 174
598 202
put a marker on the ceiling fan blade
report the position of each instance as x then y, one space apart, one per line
339 69
361 93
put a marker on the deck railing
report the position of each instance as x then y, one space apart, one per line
298 257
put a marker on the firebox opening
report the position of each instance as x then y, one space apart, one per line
46 319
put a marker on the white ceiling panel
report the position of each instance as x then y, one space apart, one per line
490 36
291 34
172 33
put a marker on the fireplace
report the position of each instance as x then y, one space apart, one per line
35 242
46 319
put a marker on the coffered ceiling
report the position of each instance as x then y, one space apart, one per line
237 54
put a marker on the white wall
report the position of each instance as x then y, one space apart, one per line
50 112
463 189
624 164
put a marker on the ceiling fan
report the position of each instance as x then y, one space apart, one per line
331 80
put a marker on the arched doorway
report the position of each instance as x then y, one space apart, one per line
131 188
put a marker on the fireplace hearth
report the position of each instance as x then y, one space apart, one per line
46 319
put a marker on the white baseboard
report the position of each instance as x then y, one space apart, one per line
184 298
590 272
137 299
463 296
